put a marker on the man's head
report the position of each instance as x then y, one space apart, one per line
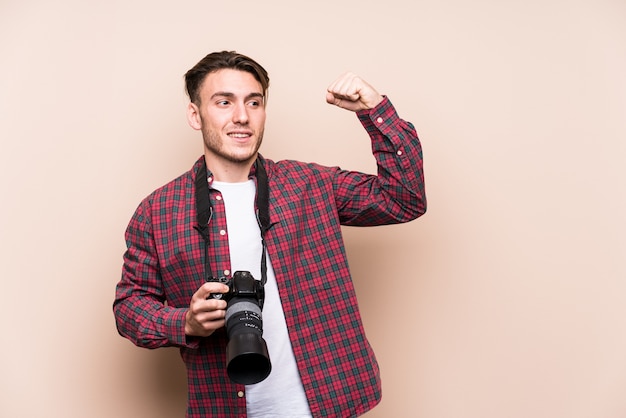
227 92
223 60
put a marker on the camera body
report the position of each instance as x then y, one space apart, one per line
247 358
242 285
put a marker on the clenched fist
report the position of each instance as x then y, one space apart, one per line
353 93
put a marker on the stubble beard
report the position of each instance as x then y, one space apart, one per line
213 143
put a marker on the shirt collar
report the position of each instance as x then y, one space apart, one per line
200 161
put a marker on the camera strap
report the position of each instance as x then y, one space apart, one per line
204 211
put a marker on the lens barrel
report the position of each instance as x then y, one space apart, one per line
248 361
247 357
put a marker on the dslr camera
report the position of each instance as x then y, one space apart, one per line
247 358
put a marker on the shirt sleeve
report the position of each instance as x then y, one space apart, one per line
140 310
396 193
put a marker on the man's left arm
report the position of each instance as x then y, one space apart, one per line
396 194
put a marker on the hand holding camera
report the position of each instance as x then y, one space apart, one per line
206 314
235 303
247 358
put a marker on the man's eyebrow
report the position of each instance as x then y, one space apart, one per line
230 95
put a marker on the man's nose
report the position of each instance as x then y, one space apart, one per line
240 113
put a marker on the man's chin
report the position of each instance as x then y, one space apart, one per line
244 157
241 159
233 156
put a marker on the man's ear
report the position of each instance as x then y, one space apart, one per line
193 116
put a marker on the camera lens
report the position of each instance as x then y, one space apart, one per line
246 353
242 316
249 361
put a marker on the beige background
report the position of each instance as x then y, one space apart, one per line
506 300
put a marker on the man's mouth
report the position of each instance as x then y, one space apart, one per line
240 135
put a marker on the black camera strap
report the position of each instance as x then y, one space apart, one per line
205 213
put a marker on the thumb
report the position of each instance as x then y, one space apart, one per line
332 99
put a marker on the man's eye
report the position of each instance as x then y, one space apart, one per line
222 103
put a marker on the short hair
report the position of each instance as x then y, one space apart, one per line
223 60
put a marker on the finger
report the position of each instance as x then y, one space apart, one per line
346 93
346 87
206 328
332 99
210 316
353 96
208 288
201 306
333 86
203 324
344 103
339 84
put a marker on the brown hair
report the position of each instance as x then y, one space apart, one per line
223 60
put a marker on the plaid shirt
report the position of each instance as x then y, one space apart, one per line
163 267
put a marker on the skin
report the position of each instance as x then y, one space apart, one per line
231 116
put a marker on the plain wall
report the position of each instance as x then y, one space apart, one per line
506 300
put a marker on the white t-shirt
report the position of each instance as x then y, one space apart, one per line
281 394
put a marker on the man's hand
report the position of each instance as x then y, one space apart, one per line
352 93
206 315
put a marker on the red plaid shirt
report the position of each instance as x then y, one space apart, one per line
163 267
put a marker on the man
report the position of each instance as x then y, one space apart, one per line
214 221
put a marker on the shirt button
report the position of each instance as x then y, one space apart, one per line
379 120
226 272
240 393
222 232
218 197
209 179
399 152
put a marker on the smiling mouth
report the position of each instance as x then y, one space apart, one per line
239 135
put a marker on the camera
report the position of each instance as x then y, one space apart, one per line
247 358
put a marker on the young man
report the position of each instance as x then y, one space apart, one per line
234 212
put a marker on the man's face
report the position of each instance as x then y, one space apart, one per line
231 116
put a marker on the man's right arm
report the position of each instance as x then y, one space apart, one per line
140 311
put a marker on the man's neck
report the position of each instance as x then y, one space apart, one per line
228 171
